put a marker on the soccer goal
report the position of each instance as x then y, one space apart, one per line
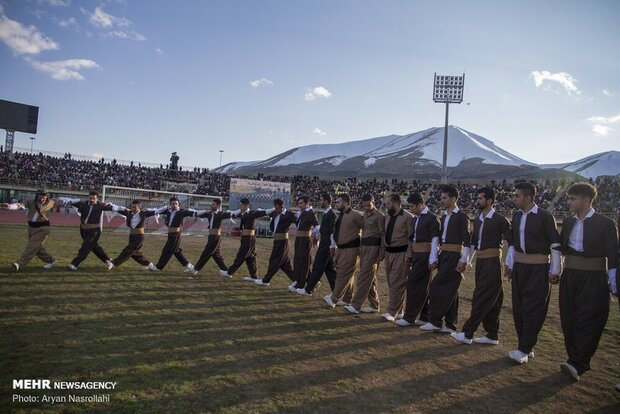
124 196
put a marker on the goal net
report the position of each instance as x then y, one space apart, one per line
123 196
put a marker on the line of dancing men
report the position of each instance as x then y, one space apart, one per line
412 244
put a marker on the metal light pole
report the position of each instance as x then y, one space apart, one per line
31 143
221 152
447 89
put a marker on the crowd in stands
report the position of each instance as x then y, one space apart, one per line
40 170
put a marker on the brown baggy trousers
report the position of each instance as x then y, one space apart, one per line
366 283
396 272
37 236
347 261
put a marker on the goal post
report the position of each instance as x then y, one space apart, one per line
124 196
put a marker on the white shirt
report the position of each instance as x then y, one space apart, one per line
90 210
415 227
445 223
135 219
575 239
533 210
482 218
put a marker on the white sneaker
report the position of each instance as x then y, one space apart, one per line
292 289
402 322
72 266
569 370
518 356
400 315
460 337
49 265
342 303
388 317
250 279
419 322
224 273
260 282
15 267
153 268
294 284
148 266
190 268
445 329
329 301
109 265
351 309
486 340
369 309
531 354
429 327
302 292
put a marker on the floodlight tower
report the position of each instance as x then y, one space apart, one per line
447 89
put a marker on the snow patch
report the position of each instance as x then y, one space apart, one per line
370 161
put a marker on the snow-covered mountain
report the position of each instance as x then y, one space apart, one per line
414 155
604 163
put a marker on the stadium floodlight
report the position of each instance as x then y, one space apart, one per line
447 89
221 152
31 143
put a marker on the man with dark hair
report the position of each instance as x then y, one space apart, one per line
247 246
535 237
490 228
281 220
212 249
453 258
306 220
135 218
323 259
398 230
589 242
371 253
174 218
90 228
347 237
422 257
38 213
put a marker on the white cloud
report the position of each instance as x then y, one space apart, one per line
257 83
55 3
122 34
159 51
605 120
64 69
317 92
601 125
319 131
113 26
104 20
606 92
24 40
602 130
70 22
566 80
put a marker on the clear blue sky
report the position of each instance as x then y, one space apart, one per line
140 79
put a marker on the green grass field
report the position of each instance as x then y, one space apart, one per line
211 345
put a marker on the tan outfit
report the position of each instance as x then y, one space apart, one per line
38 231
347 237
370 250
396 243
